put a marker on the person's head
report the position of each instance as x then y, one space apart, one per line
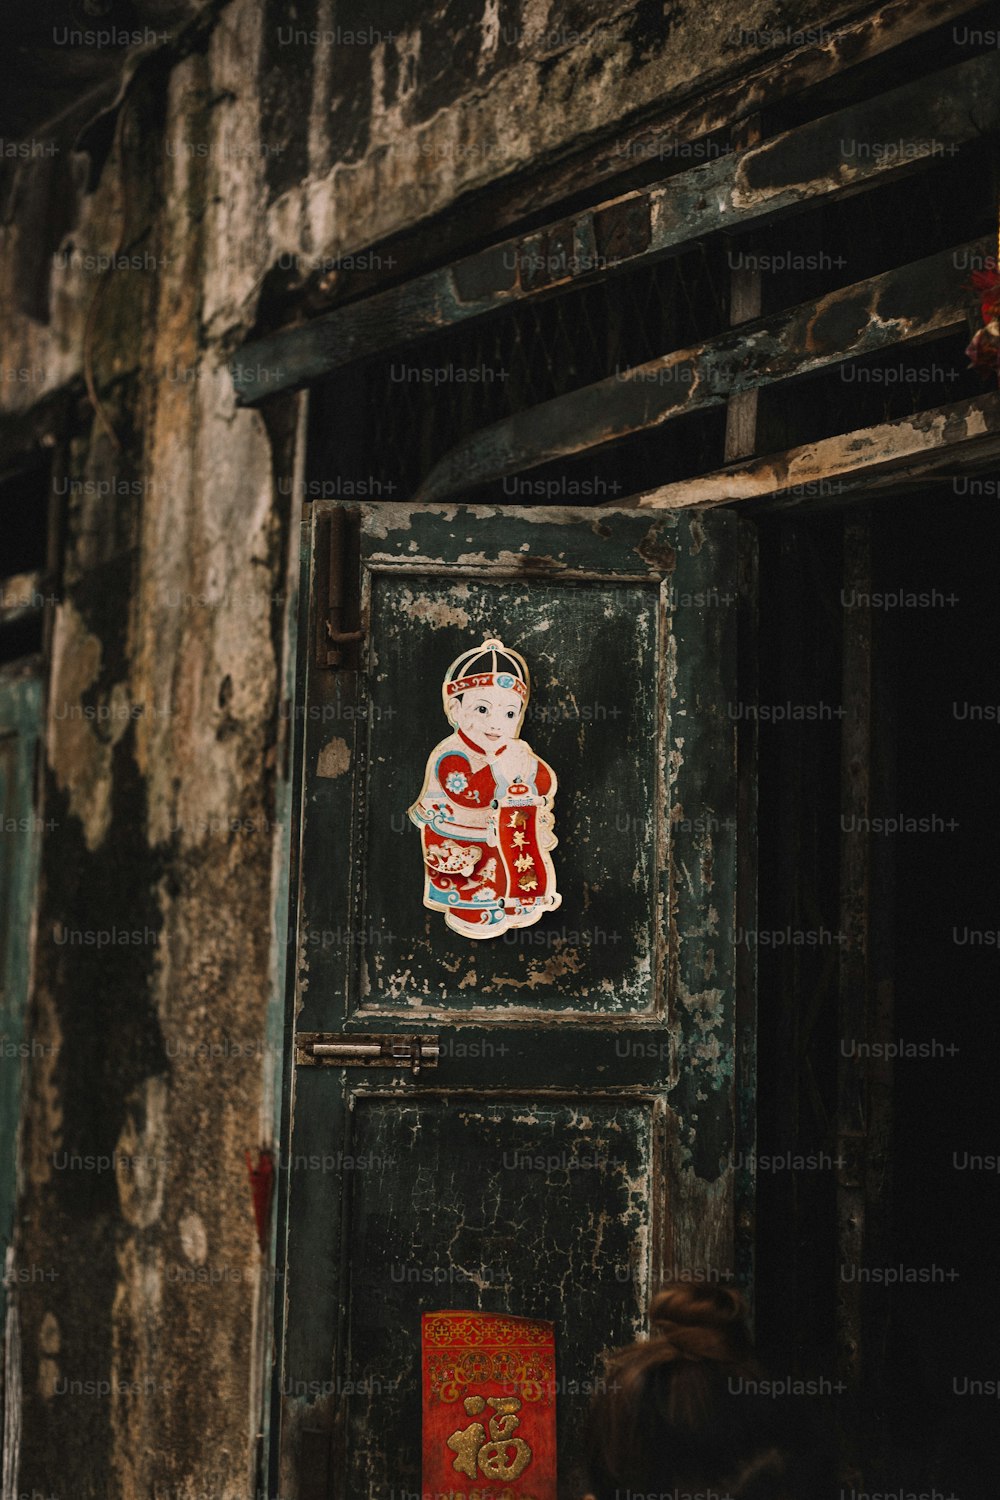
485 694
679 1411
489 715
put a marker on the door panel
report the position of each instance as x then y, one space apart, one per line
573 1184
572 1142
597 952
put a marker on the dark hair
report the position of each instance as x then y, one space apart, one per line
676 1413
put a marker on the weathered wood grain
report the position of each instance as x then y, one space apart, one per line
884 457
912 302
745 304
701 901
930 117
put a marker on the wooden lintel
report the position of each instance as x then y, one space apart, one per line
671 133
926 119
961 436
860 319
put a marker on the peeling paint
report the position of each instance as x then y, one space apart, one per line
80 760
45 1138
194 1239
49 1345
141 1165
437 612
334 759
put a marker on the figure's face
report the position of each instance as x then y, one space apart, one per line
489 715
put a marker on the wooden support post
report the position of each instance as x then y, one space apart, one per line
866 1000
744 304
747 917
796 681
853 1000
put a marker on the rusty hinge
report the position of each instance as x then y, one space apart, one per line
349 1050
334 578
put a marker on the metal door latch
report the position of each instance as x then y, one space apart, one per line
333 633
316 1049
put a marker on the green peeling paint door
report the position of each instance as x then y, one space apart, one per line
574 1141
20 707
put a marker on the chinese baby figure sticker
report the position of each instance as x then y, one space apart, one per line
485 811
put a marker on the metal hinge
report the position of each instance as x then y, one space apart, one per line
315 1049
332 581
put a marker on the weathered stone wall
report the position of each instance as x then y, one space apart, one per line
142 1332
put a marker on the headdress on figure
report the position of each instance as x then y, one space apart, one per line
490 665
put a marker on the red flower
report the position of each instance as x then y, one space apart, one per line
987 284
983 352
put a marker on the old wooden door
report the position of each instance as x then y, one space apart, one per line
568 1140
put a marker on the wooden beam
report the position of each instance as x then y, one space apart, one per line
963 435
662 135
843 44
915 301
826 158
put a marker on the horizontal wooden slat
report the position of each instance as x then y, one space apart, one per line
915 301
826 158
957 438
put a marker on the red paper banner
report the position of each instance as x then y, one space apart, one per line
529 870
489 1407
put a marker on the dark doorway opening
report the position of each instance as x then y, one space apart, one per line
877 1253
942 1333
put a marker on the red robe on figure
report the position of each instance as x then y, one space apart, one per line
485 811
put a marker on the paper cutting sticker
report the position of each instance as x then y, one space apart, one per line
485 811
489 1406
